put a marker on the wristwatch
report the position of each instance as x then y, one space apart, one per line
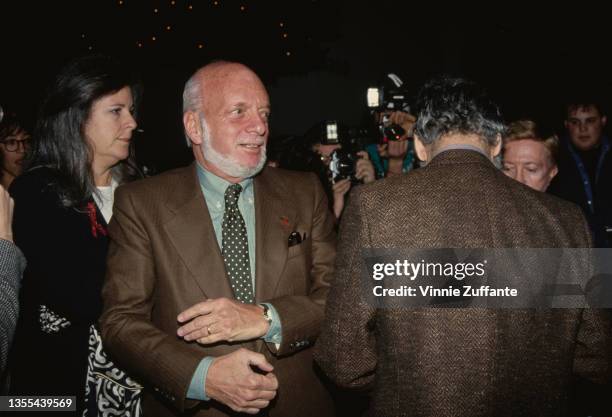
266 313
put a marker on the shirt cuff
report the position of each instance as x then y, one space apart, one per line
197 387
275 332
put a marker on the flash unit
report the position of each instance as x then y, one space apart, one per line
331 132
373 97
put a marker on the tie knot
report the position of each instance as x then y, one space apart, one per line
232 193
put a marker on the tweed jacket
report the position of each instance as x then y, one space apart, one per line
458 362
12 264
164 258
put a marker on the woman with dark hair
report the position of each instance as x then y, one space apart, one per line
14 144
63 202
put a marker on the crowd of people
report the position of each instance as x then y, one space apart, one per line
221 288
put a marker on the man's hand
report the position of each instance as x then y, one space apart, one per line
364 169
6 215
340 189
222 319
231 381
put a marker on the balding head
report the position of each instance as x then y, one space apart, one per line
226 110
197 85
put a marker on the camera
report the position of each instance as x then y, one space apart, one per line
386 99
342 166
343 162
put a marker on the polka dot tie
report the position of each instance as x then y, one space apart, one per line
236 247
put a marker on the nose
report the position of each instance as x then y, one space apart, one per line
22 146
582 127
130 123
519 175
258 124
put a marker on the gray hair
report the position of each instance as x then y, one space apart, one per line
454 105
192 98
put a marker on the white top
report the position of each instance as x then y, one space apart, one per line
104 199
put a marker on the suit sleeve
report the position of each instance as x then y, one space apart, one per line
593 354
301 316
157 358
12 264
346 348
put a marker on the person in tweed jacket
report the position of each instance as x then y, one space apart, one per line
438 362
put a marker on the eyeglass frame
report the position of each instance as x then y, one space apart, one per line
16 144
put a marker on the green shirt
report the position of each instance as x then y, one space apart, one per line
213 188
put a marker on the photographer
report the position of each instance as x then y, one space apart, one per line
391 110
394 156
339 159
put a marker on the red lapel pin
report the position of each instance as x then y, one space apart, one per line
284 222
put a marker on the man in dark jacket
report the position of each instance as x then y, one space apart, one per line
585 167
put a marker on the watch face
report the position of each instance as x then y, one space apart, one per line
266 313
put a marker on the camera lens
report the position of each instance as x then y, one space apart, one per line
394 132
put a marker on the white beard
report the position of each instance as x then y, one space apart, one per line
227 164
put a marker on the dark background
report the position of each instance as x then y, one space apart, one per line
529 59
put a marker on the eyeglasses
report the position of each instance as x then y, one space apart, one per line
12 145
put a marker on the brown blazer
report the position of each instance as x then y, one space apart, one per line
458 362
164 257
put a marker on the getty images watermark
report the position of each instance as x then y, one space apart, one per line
490 278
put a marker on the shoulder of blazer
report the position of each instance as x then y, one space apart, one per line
562 209
287 181
36 187
167 185
39 178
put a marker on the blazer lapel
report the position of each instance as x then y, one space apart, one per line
275 219
191 232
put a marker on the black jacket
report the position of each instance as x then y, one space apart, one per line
569 185
66 265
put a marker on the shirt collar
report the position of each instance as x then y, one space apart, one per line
461 146
215 186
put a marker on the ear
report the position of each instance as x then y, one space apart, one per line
553 172
604 120
420 149
192 126
565 124
496 149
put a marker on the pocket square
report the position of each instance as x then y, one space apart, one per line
295 238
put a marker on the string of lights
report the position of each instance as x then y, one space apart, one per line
178 22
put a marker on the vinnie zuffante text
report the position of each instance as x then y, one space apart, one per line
414 270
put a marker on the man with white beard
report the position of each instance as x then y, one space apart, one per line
218 272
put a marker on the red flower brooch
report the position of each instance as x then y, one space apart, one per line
284 221
93 221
